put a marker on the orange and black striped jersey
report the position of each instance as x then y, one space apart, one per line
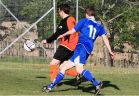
65 25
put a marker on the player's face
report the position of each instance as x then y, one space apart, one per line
86 15
60 13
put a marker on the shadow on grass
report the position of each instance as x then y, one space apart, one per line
88 88
109 84
41 77
70 82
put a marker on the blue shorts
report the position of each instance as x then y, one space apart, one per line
80 55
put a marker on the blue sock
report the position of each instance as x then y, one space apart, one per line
89 77
58 78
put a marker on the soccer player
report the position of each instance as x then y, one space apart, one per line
67 43
89 30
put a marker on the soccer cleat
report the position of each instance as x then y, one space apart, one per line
45 89
98 87
78 80
48 88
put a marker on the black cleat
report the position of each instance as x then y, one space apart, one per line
46 89
98 87
78 80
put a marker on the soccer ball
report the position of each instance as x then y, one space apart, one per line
29 46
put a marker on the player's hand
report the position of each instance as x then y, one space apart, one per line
112 55
60 36
44 41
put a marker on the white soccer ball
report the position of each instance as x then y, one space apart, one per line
29 46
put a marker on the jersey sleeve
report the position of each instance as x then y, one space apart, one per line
79 25
102 31
70 23
53 37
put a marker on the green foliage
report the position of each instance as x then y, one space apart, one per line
120 17
127 28
33 10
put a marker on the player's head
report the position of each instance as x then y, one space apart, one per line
63 9
89 11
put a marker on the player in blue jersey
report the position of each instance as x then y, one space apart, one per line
89 30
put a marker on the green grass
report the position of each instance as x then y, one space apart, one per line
27 79
24 60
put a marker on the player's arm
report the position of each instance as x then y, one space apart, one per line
67 33
106 41
76 28
53 37
50 39
70 24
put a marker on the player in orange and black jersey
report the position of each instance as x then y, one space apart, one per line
67 43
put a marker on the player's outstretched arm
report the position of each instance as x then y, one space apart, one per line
106 41
53 37
67 33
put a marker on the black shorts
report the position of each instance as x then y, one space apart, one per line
62 53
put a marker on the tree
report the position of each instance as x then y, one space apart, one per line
120 19
33 10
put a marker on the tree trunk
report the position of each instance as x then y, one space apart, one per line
107 58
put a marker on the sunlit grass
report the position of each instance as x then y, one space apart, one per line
27 79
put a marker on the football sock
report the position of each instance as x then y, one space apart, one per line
53 72
89 77
58 78
71 72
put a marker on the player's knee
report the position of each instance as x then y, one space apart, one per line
60 67
54 62
64 68
79 71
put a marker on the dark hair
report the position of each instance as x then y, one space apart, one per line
90 10
65 8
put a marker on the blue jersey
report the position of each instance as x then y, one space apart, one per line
89 30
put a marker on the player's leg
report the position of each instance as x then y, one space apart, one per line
80 59
87 74
66 56
66 65
54 69
57 59
71 72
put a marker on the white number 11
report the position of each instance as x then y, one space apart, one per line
92 31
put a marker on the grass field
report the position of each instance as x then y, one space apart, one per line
27 79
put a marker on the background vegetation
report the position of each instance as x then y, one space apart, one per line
120 17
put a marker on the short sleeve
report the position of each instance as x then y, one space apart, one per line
79 25
102 31
70 22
